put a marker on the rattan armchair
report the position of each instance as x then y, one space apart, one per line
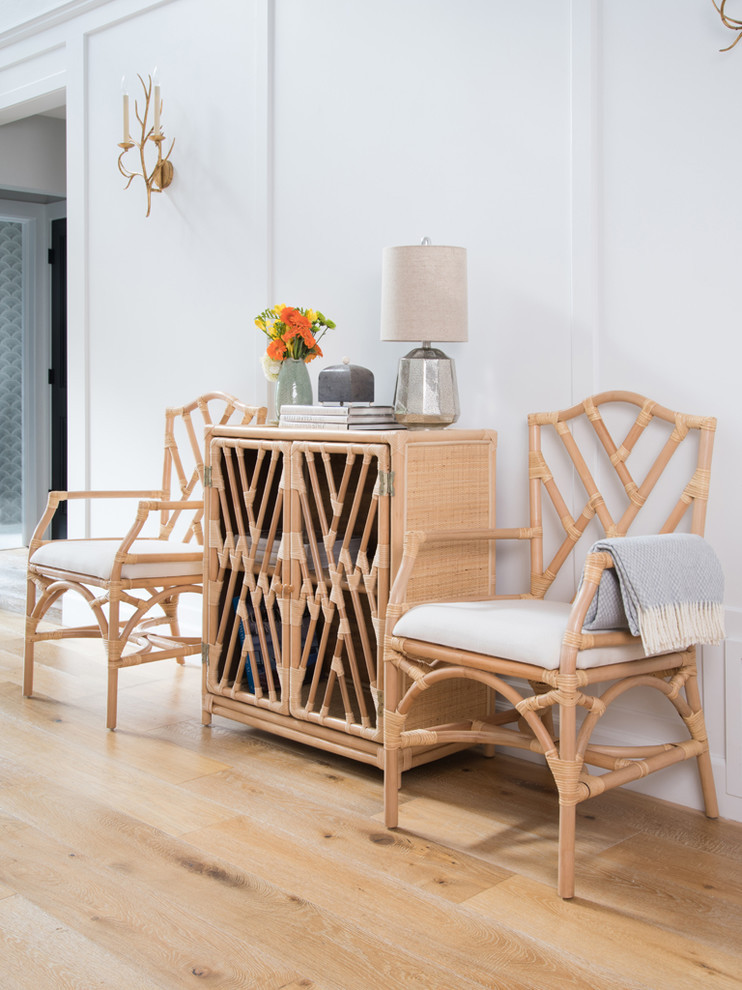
542 668
133 583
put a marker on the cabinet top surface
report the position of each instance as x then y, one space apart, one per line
391 437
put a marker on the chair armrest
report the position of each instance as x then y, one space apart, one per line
69 496
414 539
157 505
592 571
55 497
465 535
148 506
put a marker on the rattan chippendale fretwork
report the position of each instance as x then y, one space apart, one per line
609 454
139 577
304 532
530 650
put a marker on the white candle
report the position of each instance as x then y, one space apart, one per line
127 139
157 111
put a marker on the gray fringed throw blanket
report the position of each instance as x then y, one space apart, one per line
668 589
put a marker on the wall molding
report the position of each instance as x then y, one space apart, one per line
733 699
33 83
265 116
43 22
584 197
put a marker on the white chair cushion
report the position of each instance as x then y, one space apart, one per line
95 558
527 630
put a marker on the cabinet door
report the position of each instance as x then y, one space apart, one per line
340 582
248 598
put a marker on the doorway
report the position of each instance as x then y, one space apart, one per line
27 231
11 382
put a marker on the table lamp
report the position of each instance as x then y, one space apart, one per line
424 298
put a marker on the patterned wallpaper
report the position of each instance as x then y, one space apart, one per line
11 373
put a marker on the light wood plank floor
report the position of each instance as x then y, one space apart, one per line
169 855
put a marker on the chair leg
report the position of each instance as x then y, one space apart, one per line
170 608
708 786
111 706
566 879
705 769
28 668
566 778
114 649
28 647
392 728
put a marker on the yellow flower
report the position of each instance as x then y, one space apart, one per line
311 315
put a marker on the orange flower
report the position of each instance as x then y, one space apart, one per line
305 333
295 320
293 333
276 350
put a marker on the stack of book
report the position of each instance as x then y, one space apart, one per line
348 417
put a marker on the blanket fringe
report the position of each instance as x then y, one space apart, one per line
665 628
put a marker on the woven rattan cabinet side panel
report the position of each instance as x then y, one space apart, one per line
305 534
446 481
446 485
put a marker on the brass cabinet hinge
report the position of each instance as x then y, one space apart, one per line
205 654
207 477
386 482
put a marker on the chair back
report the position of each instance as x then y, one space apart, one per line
609 482
183 469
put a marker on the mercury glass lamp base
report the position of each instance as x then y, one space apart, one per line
427 395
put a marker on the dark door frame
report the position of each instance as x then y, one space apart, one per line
58 370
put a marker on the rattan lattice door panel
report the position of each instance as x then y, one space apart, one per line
305 532
341 527
249 571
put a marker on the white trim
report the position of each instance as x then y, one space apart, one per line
585 161
34 219
264 193
35 98
733 619
78 246
733 700
584 232
42 22
35 348
33 83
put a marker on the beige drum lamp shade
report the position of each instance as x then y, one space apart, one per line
424 293
424 298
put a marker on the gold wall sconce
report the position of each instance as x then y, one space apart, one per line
731 22
160 175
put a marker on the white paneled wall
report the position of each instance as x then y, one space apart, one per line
583 152
733 733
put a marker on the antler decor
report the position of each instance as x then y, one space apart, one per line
729 22
161 175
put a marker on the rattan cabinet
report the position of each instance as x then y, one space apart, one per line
304 532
